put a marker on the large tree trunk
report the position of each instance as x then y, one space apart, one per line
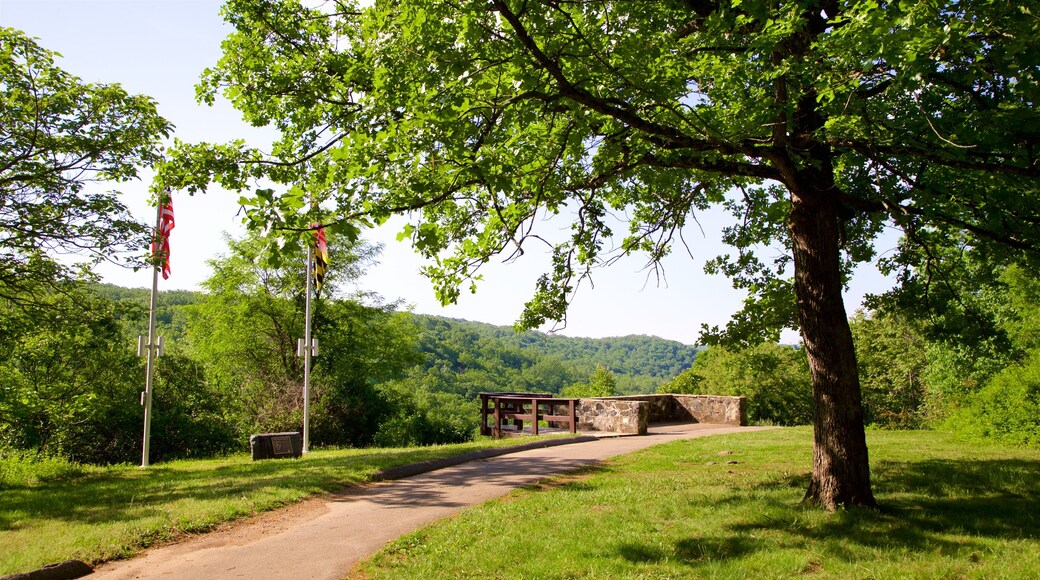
841 472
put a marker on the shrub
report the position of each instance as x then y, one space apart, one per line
1007 408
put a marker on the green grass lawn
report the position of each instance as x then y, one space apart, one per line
949 510
54 511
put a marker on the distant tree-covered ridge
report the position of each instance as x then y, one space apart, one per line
551 361
382 377
464 357
640 363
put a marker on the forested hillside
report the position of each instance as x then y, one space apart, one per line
541 361
550 362
72 380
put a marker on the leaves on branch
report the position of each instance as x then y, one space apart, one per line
59 139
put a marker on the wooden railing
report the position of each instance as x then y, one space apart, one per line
520 407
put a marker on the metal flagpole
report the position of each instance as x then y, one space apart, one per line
307 349
150 345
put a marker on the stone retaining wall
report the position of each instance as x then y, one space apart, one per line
663 408
613 415
632 414
713 409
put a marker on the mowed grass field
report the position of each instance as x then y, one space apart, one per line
730 507
52 511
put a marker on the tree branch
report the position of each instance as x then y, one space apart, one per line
665 133
874 150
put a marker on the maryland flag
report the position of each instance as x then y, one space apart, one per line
161 242
321 258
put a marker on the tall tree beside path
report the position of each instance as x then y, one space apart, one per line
815 122
58 135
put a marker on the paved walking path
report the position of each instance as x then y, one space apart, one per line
326 537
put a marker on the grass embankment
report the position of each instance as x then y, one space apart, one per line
949 510
53 511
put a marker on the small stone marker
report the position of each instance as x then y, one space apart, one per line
276 445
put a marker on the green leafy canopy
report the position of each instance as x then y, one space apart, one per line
480 119
58 136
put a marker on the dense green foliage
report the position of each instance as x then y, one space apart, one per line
68 375
58 135
62 376
892 362
71 379
601 383
1007 407
246 332
955 344
774 378
981 375
70 382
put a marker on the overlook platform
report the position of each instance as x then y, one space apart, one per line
508 414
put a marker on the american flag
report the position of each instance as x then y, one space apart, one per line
162 236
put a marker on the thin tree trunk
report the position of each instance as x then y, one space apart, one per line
841 471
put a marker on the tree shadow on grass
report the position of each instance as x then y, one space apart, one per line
949 508
639 553
130 494
927 506
116 500
123 495
706 549
572 480
693 550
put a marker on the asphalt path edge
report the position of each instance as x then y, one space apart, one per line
72 569
408 470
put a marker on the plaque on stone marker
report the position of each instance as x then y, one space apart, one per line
281 445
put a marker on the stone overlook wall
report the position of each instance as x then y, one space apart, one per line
612 414
713 409
632 414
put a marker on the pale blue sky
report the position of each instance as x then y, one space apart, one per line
159 48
